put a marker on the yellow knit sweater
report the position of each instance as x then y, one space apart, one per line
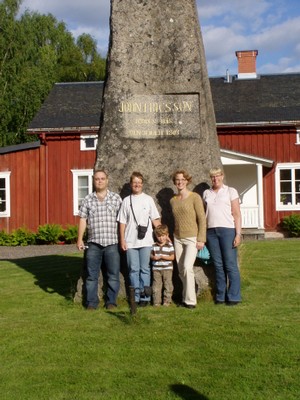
189 216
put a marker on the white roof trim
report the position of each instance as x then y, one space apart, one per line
64 129
245 158
259 123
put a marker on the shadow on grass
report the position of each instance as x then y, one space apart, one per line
187 393
128 319
53 273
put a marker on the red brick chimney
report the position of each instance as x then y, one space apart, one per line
246 64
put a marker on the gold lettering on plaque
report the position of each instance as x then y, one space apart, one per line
160 116
128 107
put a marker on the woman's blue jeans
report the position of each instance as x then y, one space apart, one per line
224 256
95 255
138 261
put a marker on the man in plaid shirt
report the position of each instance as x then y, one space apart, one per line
98 214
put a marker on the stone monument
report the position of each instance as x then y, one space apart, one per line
157 110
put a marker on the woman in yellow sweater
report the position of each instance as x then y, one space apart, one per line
189 233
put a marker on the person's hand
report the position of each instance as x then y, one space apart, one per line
200 245
237 240
80 245
123 245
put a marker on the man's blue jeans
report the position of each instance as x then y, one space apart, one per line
224 256
95 255
138 261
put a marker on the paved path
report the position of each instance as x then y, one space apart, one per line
10 253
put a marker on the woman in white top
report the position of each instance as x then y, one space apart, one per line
223 236
138 209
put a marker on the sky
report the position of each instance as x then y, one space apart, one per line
270 26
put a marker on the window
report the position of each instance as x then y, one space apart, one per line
4 194
82 186
288 187
298 136
88 142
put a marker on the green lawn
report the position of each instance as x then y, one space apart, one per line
53 349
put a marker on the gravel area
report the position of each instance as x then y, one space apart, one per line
11 253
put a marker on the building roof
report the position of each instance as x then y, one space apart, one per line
268 99
70 106
20 147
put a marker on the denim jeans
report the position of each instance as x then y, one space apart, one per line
138 261
224 256
95 255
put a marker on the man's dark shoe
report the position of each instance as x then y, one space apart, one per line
218 302
90 308
232 303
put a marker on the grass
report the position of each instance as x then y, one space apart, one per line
53 349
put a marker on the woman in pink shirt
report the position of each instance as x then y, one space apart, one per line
223 236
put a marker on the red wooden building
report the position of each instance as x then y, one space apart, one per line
258 125
43 182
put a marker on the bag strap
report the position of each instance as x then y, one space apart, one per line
134 214
133 211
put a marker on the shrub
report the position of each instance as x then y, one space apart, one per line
292 224
46 234
49 234
21 237
4 239
70 234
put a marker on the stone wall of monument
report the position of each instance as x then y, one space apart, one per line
157 107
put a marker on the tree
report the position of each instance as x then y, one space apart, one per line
93 64
8 36
35 52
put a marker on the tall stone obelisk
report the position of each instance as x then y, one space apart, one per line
157 112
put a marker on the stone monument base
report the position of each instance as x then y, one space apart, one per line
204 278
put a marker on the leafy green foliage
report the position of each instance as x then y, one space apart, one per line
292 224
49 234
37 51
70 234
18 237
4 239
46 234
21 237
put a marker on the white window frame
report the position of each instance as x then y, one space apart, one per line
298 135
279 205
83 146
76 174
6 176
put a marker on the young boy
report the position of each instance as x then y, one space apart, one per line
162 256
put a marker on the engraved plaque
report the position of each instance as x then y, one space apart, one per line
170 116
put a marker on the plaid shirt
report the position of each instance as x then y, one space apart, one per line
101 217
